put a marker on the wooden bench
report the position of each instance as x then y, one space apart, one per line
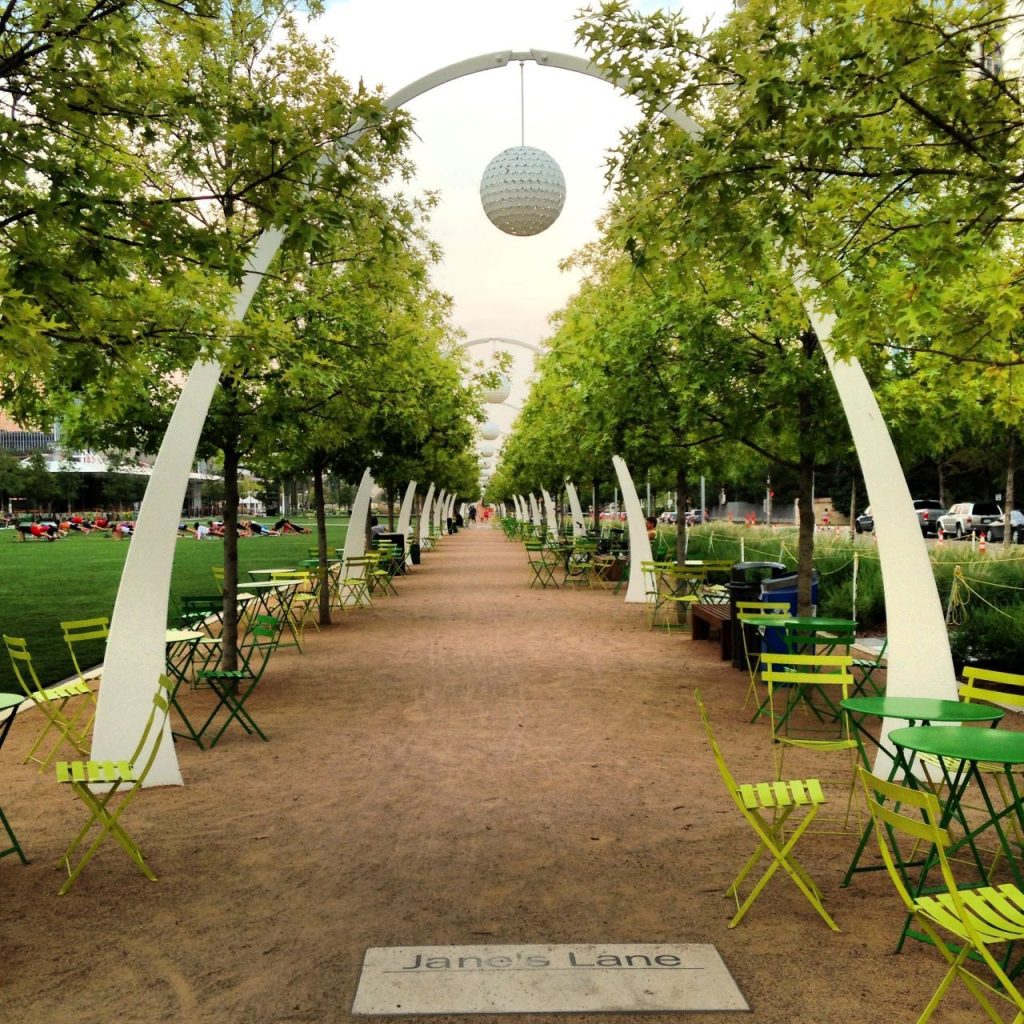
705 618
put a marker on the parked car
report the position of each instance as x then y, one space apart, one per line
996 530
929 511
967 517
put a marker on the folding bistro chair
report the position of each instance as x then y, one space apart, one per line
804 696
1003 689
579 564
752 658
539 559
354 585
119 782
304 601
233 687
9 702
52 701
975 917
85 631
769 808
866 685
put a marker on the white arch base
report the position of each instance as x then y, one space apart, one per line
135 650
405 518
639 542
579 525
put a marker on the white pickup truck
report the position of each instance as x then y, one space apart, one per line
967 517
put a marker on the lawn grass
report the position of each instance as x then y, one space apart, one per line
44 584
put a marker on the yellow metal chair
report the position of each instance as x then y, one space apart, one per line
52 701
752 658
667 585
217 572
354 584
771 809
975 917
1004 689
305 602
86 631
117 783
804 695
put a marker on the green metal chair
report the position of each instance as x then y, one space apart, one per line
234 687
117 783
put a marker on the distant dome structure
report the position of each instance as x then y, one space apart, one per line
522 191
490 431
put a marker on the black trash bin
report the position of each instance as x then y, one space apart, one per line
414 552
745 584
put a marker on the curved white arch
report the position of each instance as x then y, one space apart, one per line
529 346
135 650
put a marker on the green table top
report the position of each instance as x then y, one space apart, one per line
820 623
10 700
923 709
1002 746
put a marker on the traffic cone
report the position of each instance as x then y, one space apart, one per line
981 542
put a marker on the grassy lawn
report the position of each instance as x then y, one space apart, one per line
77 577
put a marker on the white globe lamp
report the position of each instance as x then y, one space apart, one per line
490 431
487 451
522 191
500 393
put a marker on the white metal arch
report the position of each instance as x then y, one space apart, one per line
919 658
529 346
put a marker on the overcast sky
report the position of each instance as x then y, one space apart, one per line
502 285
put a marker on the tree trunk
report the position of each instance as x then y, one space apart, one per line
321 543
805 542
594 508
1008 496
391 509
229 631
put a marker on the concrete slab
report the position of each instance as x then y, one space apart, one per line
584 978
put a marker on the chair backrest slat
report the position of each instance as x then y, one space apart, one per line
1005 688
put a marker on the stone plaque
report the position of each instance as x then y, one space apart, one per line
401 980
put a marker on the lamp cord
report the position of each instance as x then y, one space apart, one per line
522 108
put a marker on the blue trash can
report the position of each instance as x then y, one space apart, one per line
783 588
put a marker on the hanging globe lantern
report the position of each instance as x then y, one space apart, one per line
498 394
487 451
490 431
522 191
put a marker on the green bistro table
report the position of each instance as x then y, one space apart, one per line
274 597
960 754
180 653
915 711
10 702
